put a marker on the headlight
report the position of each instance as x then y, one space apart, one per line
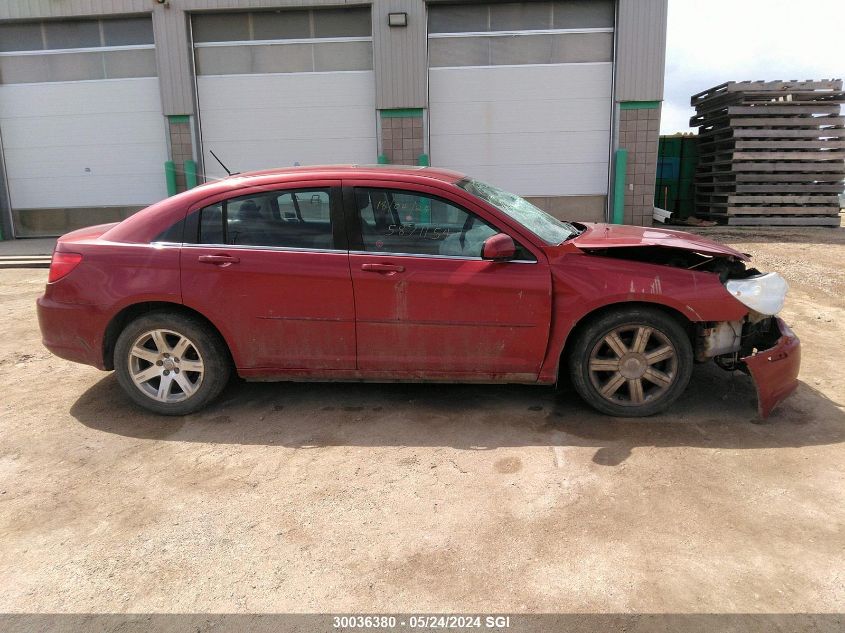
762 293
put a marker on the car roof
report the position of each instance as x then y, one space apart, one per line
409 173
328 171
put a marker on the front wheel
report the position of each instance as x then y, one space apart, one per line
170 363
632 362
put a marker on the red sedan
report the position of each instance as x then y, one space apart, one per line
415 274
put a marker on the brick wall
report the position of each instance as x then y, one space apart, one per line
181 147
402 140
639 131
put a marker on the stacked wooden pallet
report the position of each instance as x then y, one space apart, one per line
770 152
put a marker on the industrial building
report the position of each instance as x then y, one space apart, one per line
107 106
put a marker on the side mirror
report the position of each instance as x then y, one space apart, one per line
498 248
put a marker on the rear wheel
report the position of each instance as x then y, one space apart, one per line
171 363
631 362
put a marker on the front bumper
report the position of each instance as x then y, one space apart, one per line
72 331
775 370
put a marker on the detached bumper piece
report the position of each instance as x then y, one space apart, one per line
774 370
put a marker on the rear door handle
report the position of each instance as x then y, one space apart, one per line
218 259
382 268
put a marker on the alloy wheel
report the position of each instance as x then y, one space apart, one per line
165 365
632 365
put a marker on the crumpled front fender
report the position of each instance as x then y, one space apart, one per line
775 370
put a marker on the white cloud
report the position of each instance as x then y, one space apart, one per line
709 43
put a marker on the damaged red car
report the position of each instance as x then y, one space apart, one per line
405 274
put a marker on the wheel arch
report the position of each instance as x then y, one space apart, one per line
131 312
596 313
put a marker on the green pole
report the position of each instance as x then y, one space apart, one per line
190 173
382 159
425 206
170 177
620 166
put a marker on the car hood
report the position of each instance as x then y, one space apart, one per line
602 236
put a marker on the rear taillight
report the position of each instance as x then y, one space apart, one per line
62 264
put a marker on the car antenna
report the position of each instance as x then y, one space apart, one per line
226 169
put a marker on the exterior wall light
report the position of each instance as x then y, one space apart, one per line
397 19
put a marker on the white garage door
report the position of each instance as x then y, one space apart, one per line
264 121
80 115
285 88
84 144
521 94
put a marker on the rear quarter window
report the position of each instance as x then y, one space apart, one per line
174 234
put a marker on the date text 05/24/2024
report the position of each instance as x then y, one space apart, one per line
431 622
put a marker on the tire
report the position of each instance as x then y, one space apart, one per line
170 363
631 362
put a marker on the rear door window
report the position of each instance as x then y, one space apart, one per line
286 219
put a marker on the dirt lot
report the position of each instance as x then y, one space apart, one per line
428 498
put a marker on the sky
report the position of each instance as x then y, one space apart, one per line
714 41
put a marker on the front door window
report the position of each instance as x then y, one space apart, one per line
395 221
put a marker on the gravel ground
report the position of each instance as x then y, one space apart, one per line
373 498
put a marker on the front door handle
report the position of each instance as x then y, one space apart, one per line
382 268
220 260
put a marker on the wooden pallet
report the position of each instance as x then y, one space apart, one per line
760 99
730 155
728 199
729 143
779 187
771 152
772 220
812 122
832 168
774 109
723 177
832 133
781 144
780 86
764 220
